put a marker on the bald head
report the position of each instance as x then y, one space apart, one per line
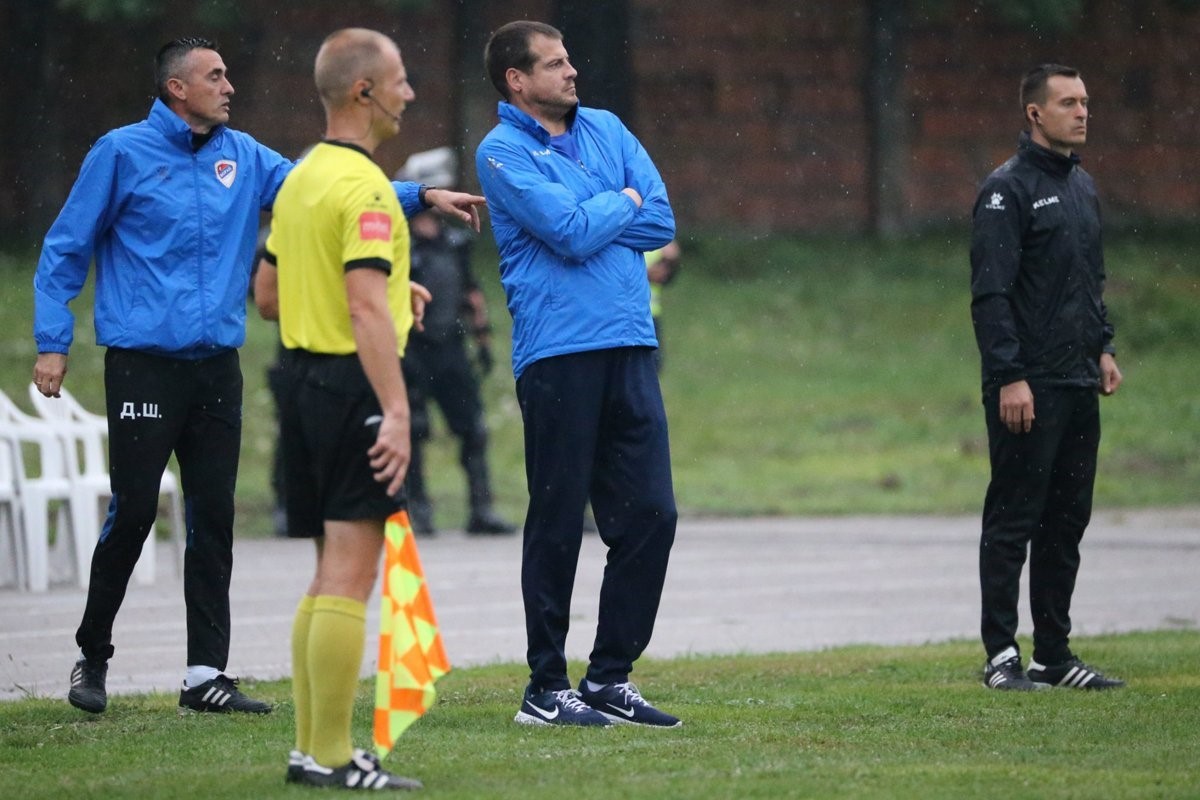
347 56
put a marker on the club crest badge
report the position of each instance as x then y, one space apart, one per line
226 172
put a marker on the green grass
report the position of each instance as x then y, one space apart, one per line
849 722
812 376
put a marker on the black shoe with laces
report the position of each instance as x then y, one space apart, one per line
1004 672
1073 674
87 685
295 768
220 695
362 771
623 703
487 522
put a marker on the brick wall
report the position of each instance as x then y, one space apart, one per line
754 112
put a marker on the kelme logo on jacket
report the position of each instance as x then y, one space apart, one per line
226 172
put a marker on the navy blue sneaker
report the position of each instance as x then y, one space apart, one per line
1073 674
561 707
622 702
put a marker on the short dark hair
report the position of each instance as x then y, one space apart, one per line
508 48
1033 85
171 55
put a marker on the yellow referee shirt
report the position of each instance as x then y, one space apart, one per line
336 211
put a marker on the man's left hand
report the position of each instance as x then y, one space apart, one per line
1110 374
419 297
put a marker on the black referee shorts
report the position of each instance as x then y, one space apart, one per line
328 419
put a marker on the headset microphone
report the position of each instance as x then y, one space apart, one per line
366 92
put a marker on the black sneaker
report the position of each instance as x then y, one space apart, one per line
560 707
295 767
87 685
623 703
1004 672
488 523
1073 674
420 517
362 771
220 695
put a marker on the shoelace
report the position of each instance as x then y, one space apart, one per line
570 700
226 682
1012 665
631 693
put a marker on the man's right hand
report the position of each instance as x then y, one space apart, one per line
633 195
1016 406
48 373
392 451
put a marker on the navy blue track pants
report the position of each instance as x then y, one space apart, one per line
595 428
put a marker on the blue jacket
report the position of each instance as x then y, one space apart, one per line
173 233
571 243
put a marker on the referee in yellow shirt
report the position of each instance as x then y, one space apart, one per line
340 243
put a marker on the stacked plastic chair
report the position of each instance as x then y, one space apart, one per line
42 489
12 541
83 435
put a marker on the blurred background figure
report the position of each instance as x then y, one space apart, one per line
662 265
437 364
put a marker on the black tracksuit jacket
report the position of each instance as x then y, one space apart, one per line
1037 273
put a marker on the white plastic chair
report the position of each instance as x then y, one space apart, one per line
10 513
36 490
84 435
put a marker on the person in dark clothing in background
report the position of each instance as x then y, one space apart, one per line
437 365
1037 285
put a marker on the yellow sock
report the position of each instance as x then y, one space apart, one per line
301 696
335 650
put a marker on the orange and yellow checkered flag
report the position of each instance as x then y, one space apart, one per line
411 655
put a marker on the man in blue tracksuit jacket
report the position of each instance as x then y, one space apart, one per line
169 208
574 202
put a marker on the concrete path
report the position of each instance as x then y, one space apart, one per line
738 585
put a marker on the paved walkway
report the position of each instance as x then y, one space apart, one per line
739 585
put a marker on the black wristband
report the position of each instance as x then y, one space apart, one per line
421 195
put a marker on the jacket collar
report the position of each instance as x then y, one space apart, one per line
522 121
172 126
1044 158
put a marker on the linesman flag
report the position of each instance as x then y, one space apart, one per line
411 655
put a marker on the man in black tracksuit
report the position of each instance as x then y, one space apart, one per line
437 368
1037 281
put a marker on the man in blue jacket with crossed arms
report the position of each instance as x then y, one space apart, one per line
575 201
169 207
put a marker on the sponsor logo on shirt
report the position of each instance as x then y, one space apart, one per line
226 172
1045 201
374 225
996 202
493 164
545 152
